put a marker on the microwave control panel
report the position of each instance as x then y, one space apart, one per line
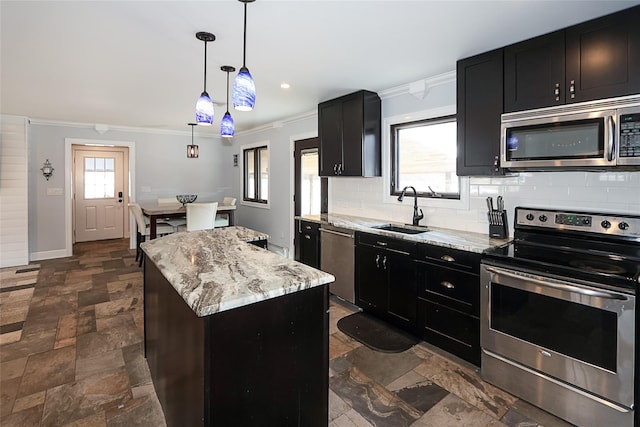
629 135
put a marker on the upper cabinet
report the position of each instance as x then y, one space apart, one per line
349 129
479 105
594 60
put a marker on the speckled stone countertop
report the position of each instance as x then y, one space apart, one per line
463 240
217 270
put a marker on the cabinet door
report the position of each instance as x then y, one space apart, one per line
533 71
479 99
603 57
371 283
402 293
330 134
352 132
310 245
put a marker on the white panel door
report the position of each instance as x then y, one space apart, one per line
99 189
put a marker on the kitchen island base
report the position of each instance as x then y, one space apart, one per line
263 364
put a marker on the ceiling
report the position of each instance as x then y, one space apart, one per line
139 64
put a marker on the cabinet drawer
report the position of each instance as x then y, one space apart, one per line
469 261
450 330
309 227
452 288
398 245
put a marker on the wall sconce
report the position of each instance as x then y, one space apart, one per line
192 150
47 169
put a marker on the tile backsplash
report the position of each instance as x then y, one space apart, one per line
615 192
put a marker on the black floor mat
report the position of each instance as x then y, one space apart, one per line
376 334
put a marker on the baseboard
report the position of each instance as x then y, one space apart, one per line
37 256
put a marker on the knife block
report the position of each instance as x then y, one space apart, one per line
498 225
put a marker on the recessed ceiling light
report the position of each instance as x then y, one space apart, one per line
285 85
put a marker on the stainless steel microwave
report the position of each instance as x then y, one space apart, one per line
587 136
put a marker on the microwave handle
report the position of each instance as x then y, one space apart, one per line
612 139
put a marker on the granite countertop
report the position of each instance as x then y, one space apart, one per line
217 270
456 239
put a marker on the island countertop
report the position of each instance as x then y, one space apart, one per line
217 270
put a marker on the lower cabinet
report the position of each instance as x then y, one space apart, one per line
449 301
307 243
386 279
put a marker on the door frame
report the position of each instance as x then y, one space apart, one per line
68 184
292 177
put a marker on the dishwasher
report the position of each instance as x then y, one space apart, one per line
337 256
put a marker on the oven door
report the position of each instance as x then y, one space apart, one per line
578 334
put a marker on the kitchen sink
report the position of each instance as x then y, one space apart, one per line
404 229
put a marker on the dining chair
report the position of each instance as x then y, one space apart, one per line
201 216
222 219
144 229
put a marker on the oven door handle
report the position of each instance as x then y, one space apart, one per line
558 284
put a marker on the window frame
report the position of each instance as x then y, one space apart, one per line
393 154
258 200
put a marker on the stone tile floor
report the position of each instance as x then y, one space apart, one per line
71 334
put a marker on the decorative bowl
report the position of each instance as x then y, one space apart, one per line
186 198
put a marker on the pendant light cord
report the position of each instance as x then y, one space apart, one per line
244 45
205 67
227 92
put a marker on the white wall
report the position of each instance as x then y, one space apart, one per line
161 166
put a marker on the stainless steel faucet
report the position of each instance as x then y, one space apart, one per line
416 217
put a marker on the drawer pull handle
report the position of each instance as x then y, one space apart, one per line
448 285
382 243
308 227
447 258
378 261
306 236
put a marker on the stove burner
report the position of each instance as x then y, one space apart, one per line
597 266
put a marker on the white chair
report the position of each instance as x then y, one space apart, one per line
172 201
201 216
144 229
222 219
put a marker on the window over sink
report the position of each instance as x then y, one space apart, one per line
423 155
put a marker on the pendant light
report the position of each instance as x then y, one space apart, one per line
227 127
244 90
204 106
192 150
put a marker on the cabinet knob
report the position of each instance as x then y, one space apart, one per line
306 236
447 285
447 258
556 92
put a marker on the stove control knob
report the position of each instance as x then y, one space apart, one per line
623 226
605 224
530 217
542 218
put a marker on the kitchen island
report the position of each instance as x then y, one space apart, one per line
235 334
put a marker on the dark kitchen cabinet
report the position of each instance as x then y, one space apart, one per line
386 279
349 128
449 300
307 243
479 105
593 60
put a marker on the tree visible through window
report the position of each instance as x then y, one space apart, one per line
256 174
423 155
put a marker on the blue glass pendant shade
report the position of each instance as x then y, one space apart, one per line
244 91
204 110
227 127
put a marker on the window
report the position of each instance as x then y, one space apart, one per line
256 174
99 178
423 155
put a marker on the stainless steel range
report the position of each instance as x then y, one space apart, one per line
558 314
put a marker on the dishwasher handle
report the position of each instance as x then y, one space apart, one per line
326 230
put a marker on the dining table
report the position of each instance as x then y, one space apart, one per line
157 212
